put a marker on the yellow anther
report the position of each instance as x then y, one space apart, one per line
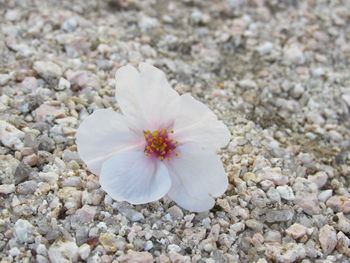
177 154
168 159
161 158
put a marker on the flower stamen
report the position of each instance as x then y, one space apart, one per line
159 144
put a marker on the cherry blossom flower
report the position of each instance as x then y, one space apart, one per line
161 144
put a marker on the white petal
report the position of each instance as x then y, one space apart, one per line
143 96
197 176
103 134
156 94
133 177
128 94
195 122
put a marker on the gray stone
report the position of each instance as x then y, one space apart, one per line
27 187
24 231
280 215
129 212
254 225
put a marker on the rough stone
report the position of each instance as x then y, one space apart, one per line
63 252
10 136
296 231
175 212
45 112
286 192
342 223
137 257
339 204
327 238
130 213
279 215
24 231
320 179
108 241
27 187
7 188
286 253
84 251
47 70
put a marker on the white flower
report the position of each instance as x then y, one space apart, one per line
162 144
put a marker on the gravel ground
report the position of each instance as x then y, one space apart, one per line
276 72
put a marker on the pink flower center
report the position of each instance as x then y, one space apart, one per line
159 144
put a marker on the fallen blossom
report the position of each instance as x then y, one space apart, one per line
161 144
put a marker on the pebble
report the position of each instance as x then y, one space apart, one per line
273 174
286 253
41 249
85 214
45 112
31 160
24 231
7 188
279 215
265 48
27 187
108 241
309 204
254 225
306 196
130 213
273 195
339 204
325 195
247 83
296 231
176 257
41 259
49 177
342 223
293 55
346 98
273 236
343 244
320 179
47 70
286 192
327 238
10 136
14 252
70 25
176 212
84 251
63 84
63 252
174 248
83 79
13 15
137 257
